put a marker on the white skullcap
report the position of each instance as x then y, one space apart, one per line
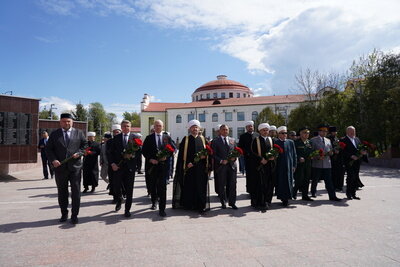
91 134
272 128
282 128
217 127
193 122
263 125
249 123
116 127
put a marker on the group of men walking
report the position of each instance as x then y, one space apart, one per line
273 163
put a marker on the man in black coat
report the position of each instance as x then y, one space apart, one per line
91 163
336 160
64 150
245 141
352 160
45 162
124 166
158 168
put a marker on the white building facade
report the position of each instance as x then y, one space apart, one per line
221 101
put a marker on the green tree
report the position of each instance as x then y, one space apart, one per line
267 115
133 117
44 114
111 119
305 115
80 113
97 119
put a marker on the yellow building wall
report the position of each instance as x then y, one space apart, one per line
146 117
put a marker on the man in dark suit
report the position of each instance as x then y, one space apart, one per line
245 141
352 160
124 166
64 150
45 162
225 168
158 168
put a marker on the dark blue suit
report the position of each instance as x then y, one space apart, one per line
45 162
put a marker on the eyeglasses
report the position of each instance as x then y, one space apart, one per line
283 133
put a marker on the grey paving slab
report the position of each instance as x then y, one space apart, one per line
321 233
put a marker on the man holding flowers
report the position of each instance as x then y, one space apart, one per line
123 162
157 149
225 155
264 157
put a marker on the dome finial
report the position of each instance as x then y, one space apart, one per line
222 77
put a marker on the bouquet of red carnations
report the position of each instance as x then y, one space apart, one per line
208 151
86 152
274 152
317 154
235 153
129 152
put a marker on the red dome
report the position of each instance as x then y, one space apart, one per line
222 83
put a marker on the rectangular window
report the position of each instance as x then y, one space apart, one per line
208 96
202 117
222 95
238 95
190 117
230 95
240 116
230 132
215 95
228 116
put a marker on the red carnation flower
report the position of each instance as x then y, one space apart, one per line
209 150
238 149
279 148
138 141
342 145
170 148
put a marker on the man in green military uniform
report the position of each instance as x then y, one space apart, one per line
302 174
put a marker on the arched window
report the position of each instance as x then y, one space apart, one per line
178 118
214 117
254 115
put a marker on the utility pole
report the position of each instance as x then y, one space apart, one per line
51 111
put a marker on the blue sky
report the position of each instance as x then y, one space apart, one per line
114 51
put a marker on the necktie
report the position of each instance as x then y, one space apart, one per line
66 137
158 141
226 143
125 140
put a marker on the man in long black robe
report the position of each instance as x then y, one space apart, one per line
263 179
91 164
191 179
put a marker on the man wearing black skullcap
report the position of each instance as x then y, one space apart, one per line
64 150
336 160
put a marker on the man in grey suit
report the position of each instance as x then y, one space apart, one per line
225 168
64 150
321 165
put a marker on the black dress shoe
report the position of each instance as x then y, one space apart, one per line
127 214
85 191
234 207
223 205
74 219
285 203
93 188
313 196
153 207
335 199
118 206
139 172
349 197
45 178
355 197
307 198
64 218
108 187
162 213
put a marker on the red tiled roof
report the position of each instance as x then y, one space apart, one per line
260 100
222 84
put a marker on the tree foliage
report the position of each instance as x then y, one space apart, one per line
80 113
97 120
44 114
267 115
133 117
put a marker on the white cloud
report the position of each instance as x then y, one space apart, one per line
120 108
60 105
274 38
48 40
154 99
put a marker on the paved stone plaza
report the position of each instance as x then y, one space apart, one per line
323 233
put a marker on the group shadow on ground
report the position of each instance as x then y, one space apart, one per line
112 217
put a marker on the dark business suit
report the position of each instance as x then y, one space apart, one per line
57 149
45 162
126 173
158 183
226 173
245 141
352 166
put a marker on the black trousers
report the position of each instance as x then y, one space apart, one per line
63 176
227 183
353 173
326 175
263 188
45 164
124 177
158 183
